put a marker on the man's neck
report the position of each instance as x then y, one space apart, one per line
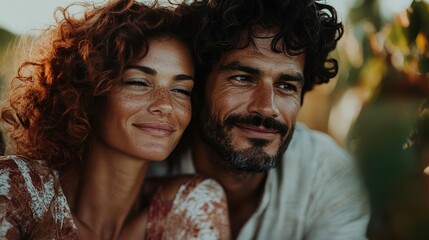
244 190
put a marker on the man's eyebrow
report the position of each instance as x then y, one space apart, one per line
144 69
295 76
237 66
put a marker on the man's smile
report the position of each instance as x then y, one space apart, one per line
252 131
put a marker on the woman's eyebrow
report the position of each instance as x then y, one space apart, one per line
183 77
144 69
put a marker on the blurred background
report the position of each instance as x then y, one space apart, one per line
377 107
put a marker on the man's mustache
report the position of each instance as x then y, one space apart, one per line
257 120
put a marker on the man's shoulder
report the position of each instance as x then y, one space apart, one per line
304 134
312 144
184 185
311 154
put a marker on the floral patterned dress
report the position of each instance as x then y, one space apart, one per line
32 199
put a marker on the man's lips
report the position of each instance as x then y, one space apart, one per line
156 129
253 131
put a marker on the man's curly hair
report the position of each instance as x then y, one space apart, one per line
305 26
55 94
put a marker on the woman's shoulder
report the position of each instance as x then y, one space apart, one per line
19 168
28 189
24 179
192 207
185 186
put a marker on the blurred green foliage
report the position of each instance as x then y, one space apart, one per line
390 136
6 38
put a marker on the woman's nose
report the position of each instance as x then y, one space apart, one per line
161 102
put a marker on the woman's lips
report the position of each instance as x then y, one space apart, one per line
156 129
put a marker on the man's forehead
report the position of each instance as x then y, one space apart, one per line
258 47
264 32
259 37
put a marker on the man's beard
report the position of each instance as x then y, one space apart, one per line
254 158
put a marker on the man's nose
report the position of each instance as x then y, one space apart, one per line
262 101
161 102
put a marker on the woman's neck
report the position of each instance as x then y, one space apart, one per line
104 195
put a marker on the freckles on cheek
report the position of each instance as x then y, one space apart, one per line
133 102
183 112
123 106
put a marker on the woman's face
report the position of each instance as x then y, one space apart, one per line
146 117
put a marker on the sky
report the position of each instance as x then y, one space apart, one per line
21 16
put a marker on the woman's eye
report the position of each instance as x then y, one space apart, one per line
136 83
182 92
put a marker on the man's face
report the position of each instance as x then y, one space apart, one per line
253 96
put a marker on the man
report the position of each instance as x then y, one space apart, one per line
282 180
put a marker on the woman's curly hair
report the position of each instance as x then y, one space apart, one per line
54 95
304 25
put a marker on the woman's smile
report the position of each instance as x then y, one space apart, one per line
156 129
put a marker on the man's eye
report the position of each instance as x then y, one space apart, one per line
288 88
241 78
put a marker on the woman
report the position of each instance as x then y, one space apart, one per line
102 96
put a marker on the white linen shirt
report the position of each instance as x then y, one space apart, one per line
315 193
